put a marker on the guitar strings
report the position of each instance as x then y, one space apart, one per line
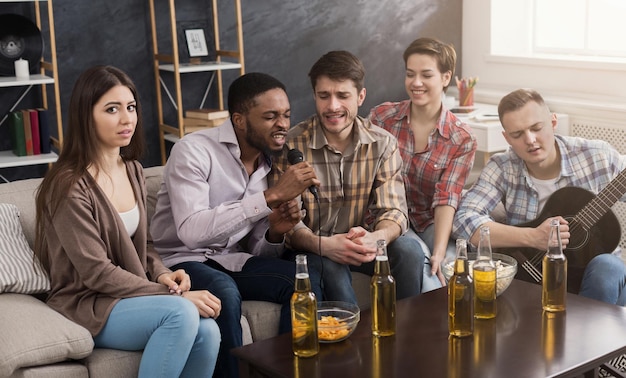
589 215
598 206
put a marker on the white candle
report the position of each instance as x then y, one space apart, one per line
21 68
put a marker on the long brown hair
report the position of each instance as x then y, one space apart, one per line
82 147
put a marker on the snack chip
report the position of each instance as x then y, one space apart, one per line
338 331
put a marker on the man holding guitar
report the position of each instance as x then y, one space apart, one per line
543 176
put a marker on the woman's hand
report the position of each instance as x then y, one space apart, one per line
435 263
208 304
178 282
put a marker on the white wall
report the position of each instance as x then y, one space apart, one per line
584 90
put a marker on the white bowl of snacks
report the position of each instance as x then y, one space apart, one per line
506 268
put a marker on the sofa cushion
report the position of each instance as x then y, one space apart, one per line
19 271
263 318
21 193
105 363
34 334
58 370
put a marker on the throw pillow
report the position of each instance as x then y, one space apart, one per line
19 272
33 334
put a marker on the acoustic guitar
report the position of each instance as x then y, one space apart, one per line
594 229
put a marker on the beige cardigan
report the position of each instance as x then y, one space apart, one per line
93 260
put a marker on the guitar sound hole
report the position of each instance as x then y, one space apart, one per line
578 241
578 236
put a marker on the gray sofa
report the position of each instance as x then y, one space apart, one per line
36 341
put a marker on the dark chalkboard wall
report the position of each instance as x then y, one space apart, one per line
282 38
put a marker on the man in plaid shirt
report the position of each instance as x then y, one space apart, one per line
361 195
524 177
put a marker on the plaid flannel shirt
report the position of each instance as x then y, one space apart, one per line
435 176
359 187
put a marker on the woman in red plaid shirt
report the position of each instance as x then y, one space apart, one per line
437 150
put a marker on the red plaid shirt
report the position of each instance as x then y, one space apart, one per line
436 176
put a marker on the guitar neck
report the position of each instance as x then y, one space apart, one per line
596 208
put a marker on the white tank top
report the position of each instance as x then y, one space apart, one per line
131 220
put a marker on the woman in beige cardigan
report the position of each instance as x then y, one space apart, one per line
92 239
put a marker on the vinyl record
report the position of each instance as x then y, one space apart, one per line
19 38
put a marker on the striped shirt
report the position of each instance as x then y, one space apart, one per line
359 187
435 176
587 164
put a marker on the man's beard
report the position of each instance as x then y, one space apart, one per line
255 140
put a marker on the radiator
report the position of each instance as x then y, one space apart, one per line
615 134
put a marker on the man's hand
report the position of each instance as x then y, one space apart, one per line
295 180
178 281
209 306
282 219
356 247
544 233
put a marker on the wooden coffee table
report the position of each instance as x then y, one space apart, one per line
521 342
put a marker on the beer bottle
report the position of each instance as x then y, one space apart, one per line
484 278
383 294
554 266
303 313
461 295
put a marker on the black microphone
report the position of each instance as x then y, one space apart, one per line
294 157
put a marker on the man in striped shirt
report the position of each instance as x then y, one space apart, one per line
361 196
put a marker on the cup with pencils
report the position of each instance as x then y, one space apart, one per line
466 90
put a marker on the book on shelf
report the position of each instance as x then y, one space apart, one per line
34 128
208 114
16 122
28 133
44 130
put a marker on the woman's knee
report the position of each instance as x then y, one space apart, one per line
185 313
208 330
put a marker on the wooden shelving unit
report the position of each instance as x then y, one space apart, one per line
170 63
48 76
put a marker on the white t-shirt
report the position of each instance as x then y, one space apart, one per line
545 188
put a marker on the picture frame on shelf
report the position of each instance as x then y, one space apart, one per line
194 41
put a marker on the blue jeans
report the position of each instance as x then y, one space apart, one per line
604 279
426 239
175 340
406 260
261 279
